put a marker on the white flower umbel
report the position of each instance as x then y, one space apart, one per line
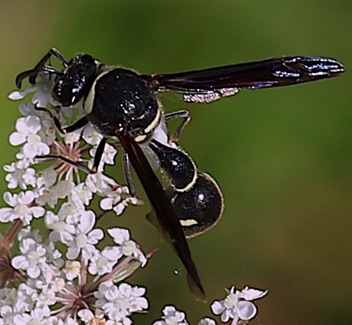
66 274
58 278
238 305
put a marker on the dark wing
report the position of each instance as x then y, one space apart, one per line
227 80
165 212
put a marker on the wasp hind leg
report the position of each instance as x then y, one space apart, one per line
186 118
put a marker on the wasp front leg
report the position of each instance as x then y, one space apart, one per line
71 128
40 67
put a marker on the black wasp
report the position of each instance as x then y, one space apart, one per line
122 103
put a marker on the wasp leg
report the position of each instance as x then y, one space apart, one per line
185 115
98 155
69 161
75 126
32 74
63 130
97 159
128 175
71 128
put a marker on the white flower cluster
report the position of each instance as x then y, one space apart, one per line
57 286
237 308
65 277
37 136
238 305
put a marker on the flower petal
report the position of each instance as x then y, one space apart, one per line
246 310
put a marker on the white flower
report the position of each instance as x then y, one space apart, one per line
28 232
88 317
81 193
25 126
22 207
32 259
72 269
103 262
100 183
8 297
55 320
122 301
128 247
61 231
27 297
237 305
41 89
36 316
27 134
120 321
108 156
118 200
72 137
29 109
46 178
207 321
48 130
84 237
51 195
69 209
19 175
91 136
172 317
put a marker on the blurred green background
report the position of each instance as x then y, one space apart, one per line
282 156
